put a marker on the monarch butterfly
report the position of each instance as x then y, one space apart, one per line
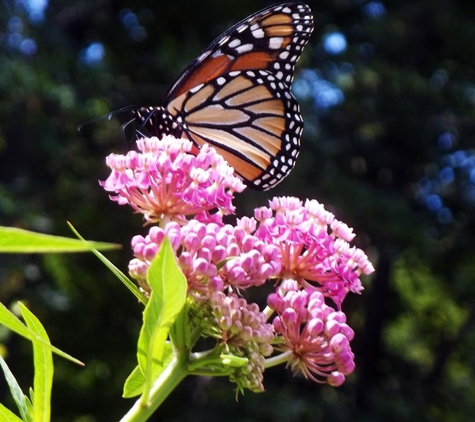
236 96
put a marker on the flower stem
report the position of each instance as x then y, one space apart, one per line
278 360
173 374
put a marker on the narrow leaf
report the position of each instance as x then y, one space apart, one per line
15 389
118 273
43 364
6 415
10 321
14 240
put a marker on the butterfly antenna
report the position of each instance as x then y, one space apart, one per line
123 126
108 116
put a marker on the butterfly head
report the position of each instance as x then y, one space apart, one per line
156 121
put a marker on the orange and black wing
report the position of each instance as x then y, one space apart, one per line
236 95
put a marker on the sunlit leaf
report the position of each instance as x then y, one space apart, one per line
168 297
134 384
13 240
43 364
6 415
10 321
16 392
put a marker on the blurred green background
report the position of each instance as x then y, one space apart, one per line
387 90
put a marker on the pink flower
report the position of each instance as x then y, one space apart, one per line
212 255
164 179
316 335
313 246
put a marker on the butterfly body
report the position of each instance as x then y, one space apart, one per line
236 96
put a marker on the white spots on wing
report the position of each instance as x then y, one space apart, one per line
275 42
284 55
196 88
244 48
258 33
234 43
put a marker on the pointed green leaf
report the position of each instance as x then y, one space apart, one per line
134 384
118 273
29 405
13 240
168 285
16 392
43 364
10 321
6 415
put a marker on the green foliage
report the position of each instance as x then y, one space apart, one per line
13 240
37 408
167 299
9 320
43 364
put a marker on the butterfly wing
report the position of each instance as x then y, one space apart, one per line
236 95
271 39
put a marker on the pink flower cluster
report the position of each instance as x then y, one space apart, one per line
314 246
298 248
213 256
164 179
316 335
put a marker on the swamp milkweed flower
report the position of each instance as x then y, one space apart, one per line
164 179
298 248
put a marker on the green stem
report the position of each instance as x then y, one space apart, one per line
278 360
174 373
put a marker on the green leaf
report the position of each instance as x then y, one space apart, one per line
135 381
13 240
10 321
43 364
17 394
6 415
168 285
118 273
134 384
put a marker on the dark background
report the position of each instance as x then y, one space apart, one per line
387 90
